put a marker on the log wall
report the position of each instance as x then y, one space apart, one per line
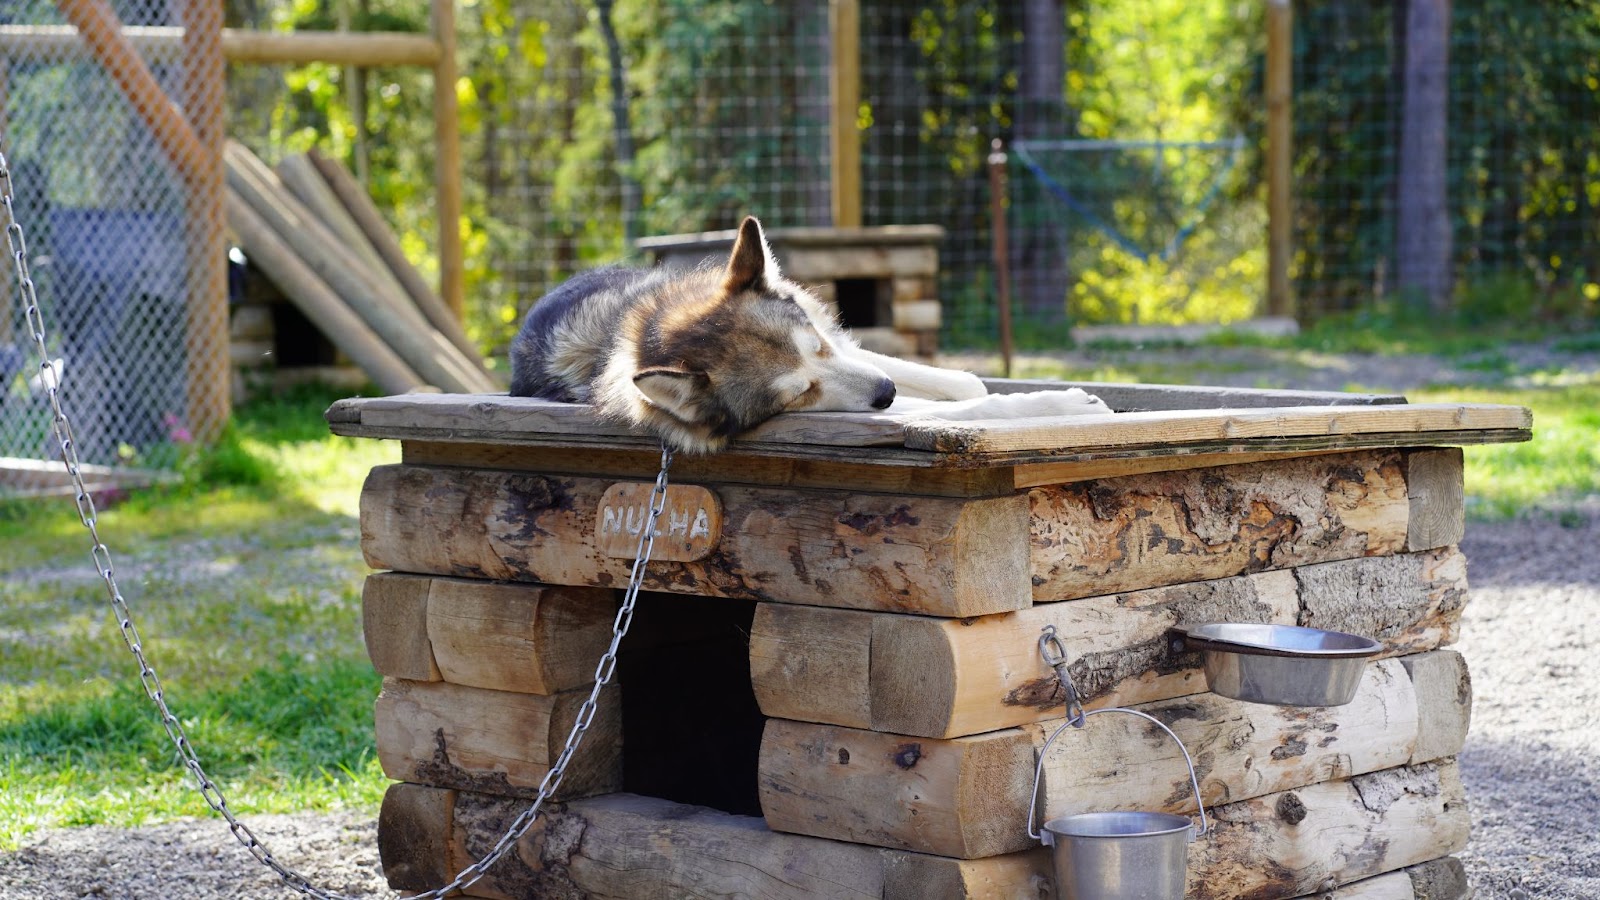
893 651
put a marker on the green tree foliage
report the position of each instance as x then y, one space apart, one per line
1524 163
728 102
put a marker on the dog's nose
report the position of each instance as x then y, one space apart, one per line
884 396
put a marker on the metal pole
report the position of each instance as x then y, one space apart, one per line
1002 252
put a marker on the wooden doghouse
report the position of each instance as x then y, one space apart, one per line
838 692
883 280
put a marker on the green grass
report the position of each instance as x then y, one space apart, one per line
1392 330
1556 473
1553 472
244 581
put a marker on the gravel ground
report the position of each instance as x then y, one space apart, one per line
1531 764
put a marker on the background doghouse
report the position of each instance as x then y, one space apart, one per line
840 695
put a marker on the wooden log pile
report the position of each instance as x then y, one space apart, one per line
893 655
316 234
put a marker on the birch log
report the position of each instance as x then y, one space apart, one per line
1140 531
967 797
928 677
496 742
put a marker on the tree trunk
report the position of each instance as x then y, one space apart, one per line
621 124
1423 257
1039 262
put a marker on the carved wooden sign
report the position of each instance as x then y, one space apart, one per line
688 529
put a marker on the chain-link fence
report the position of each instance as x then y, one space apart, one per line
119 197
725 110
1138 193
1522 169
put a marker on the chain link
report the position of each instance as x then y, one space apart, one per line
62 428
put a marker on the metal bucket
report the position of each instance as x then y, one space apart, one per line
1119 855
1113 855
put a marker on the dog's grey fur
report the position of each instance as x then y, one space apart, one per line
699 356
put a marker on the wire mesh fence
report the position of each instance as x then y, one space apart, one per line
1138 193
122 217
1522 167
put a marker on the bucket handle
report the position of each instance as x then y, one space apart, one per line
1055 656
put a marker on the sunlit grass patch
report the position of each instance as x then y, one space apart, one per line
1554 471
244 583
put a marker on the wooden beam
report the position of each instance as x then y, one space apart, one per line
495 741
1330 834
1280 157
359 205
1141 531
394 626
402 327
317 300
305 182
528 639
646 847
1124 397
447 158
844 24
721 468
1436 491
102 36
162 44
1205 425
926 555
636 846
968 797
992 443
503 415
208 398
947 678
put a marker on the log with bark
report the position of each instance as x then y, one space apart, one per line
929 677
968 797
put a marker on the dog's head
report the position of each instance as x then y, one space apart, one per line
721 351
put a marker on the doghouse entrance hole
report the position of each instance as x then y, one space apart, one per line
858 302
691 729
297 342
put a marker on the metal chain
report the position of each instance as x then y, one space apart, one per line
62 428
602 675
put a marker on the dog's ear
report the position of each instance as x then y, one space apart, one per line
750 266
676 390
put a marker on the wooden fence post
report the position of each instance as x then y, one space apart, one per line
1280 156
844 21
447 163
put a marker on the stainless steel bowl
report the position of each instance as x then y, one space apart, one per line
1284 665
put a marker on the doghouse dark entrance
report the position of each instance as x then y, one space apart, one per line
691 726
860 302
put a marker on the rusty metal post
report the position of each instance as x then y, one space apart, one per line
1002 251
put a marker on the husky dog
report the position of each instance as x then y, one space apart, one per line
698 357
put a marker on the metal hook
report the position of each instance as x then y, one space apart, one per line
1055 656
